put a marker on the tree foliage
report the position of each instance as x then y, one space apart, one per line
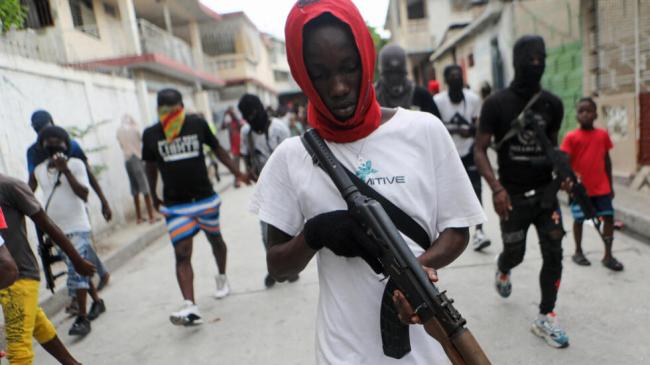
12 13
379 44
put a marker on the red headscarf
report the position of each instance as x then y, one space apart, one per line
367 115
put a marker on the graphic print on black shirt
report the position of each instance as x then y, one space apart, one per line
522 165
181 148
181 162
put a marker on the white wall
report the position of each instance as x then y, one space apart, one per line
74 98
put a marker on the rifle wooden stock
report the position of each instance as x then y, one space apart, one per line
461 349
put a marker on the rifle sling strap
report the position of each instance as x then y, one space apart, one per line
515 130
394 334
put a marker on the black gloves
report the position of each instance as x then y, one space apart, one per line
339 232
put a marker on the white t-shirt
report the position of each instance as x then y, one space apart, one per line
66 209
411 160
278 132
469 109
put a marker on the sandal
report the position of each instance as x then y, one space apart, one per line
580 259
612 264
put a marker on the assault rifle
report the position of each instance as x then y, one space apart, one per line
398 262
45 247
561 168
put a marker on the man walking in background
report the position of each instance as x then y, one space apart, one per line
128 135
174 146
459 110
65 190
524 176
394 89
36 155
261 136
234 125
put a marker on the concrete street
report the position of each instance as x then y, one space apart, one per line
606 314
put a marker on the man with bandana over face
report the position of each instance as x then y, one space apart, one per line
394 89
407 156
260 137
65 186
174 146
524 174
459 109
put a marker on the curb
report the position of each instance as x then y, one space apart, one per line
633 222
56 302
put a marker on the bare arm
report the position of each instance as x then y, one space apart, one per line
62 166
500 197
106 209
608 170
152 177
446 248
287 256
8 268
483 163
45 224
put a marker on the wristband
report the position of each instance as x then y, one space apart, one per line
498 191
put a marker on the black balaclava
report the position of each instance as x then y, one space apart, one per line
454 83
393 89
41 119
252 109
527 75
54 131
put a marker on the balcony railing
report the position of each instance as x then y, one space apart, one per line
231 66
156 40
43 45
416 35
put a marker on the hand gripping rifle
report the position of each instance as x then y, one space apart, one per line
561 168
398 262
45 247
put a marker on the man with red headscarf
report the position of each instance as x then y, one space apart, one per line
407 156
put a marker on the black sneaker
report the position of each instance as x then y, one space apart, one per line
269 281
80 327
293 279
96 309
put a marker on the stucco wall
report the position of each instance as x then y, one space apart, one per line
75 99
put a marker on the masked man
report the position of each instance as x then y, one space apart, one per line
174 146
260 137
394 89
405 155
524 175
459 109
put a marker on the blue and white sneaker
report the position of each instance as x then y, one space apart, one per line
503 284
547 327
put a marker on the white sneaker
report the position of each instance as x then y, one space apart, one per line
188 315
480 241
223 289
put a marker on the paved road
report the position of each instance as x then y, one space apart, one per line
606 314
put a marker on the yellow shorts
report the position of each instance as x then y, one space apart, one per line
24 319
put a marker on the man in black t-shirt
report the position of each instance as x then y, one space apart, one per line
524 174
394 89
174 146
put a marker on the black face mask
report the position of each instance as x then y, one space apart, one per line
53 150
259 121
528 75
455 90
532 74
